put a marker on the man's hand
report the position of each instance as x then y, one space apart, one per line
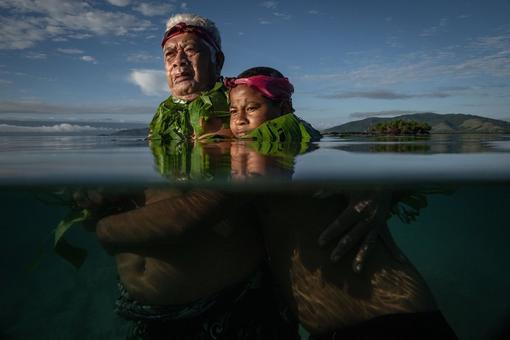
100 203
365 216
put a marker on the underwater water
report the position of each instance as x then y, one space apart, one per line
458 242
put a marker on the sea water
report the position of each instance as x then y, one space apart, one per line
459 242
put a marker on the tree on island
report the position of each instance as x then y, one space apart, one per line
400 127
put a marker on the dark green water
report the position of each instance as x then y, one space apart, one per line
459 242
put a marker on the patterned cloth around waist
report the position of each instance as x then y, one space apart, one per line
130 309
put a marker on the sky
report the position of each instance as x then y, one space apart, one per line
101 60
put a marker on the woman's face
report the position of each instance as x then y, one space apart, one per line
188 65
249 109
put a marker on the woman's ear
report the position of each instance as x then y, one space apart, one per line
286 107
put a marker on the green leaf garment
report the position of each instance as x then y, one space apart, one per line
176 120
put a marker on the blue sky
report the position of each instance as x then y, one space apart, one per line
101 60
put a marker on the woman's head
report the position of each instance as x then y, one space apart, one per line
257 95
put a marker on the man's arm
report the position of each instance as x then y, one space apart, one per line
164 222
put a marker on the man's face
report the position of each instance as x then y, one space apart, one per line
188 66
248 109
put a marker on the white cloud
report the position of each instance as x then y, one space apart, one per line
58 128
69 50
184 6
313 12
269 4
5 82
151 82
142 57
153 9
31 21
40 107
494 42
35 55
487 56
284 16
80 36
382 94
89 59
389 113
120 3
17 35
264 22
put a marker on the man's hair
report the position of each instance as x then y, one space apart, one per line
196 20
270 72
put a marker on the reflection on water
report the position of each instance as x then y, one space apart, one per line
457 241
431 144
124 160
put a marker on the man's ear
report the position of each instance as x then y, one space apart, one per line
220 59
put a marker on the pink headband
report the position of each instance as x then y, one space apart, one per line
182 27
270 87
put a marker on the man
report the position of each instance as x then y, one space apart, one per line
190 265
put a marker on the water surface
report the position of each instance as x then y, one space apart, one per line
458 242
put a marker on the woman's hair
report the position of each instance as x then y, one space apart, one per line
270 72
260 71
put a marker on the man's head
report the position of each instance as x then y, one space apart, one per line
192 55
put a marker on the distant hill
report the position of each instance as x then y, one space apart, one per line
440 123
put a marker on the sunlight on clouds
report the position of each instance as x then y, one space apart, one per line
89 59
151 82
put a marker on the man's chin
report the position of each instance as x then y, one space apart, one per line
185 88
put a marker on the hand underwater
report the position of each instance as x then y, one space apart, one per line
100 203
363 219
